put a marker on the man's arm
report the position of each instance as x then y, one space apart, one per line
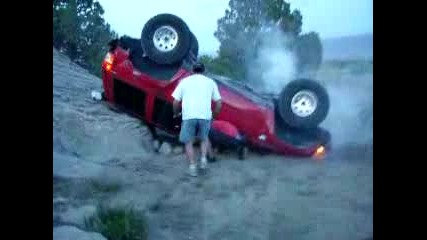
177 95
217 108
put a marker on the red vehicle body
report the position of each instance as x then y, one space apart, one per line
246 116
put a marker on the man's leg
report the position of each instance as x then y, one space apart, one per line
203 134
186 136
189 152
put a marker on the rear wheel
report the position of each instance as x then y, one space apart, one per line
165 39
303 103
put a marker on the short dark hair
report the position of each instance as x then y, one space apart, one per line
198 67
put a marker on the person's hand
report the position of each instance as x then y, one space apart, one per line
214 115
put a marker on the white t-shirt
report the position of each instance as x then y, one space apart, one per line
196 93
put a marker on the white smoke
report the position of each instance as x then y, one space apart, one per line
350 118
278 67
274 65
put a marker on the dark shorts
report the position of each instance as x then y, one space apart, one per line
192 128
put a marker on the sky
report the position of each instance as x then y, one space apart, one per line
330 18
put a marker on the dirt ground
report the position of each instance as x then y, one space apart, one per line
262 197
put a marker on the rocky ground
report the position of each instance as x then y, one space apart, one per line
101 156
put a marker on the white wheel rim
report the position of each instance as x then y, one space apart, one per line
304 103
165 38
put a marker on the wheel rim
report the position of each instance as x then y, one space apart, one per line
165 38
304 103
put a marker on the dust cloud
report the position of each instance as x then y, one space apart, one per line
350 118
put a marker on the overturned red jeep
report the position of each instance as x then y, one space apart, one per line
139 76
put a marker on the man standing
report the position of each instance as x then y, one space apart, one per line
196 92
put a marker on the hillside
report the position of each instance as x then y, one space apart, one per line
348 47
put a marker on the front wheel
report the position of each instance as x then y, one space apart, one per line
303 103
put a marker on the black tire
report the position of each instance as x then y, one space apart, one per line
181 48
315 118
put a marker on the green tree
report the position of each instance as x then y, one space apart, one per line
239 29
80 30
309 51
247 22
65 28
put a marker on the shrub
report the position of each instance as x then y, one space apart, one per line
118 223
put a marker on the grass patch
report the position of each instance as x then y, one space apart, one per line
83 188
119 223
